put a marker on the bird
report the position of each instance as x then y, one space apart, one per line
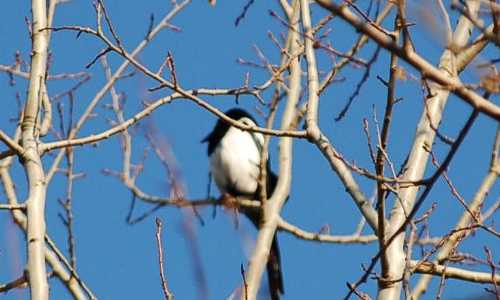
235 156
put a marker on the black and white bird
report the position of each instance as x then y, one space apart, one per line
234 163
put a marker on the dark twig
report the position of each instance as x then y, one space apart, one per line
453 189
382 149
143 216
171 67
245 285
101 53
366 129
360 295
489 259
150 27
360 84
22 281
445 139
110 25
244 12
366 17
420 200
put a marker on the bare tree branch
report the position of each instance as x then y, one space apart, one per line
315 135
474 206
435 269
100 94
18 149
35 204
164 283
272 207
452 84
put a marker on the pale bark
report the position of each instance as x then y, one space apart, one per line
417 161
314 133
434 269
33 166
446 75
396 262
107 86
272 207
474 207
77 289
430 72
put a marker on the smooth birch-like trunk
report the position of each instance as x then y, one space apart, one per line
419 155
35 204
272 207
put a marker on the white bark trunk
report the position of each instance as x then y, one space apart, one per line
417 162
33 166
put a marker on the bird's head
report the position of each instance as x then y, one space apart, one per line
222 127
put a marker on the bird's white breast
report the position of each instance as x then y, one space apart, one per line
235 162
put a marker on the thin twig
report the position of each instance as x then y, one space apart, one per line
164 283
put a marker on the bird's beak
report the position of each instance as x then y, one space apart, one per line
205 139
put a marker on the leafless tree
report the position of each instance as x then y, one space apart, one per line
408 256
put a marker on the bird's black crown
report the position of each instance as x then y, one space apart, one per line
214 137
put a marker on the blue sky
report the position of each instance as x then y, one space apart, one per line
119 261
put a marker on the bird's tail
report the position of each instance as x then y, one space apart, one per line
274 274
